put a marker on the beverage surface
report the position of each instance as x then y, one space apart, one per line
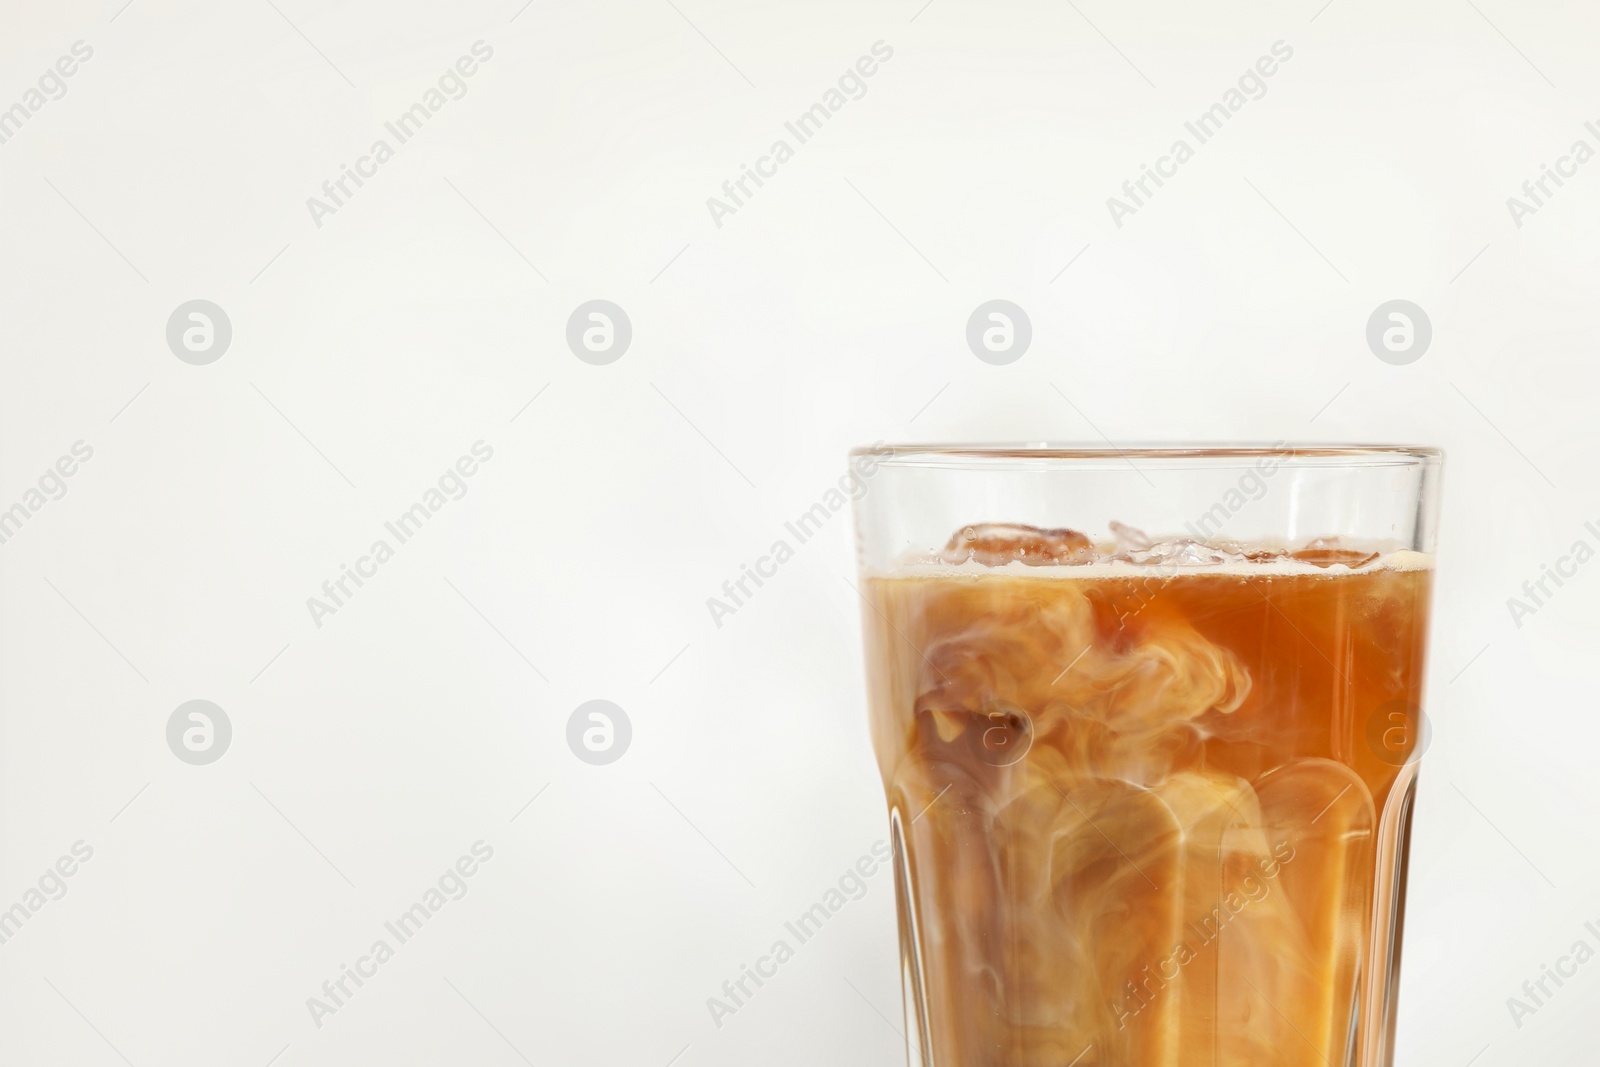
1143 794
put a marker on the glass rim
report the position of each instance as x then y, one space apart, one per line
979 454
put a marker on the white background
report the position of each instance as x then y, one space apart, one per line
830 310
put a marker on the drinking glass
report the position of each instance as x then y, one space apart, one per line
1148 723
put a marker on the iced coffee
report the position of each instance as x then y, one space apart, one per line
1149 794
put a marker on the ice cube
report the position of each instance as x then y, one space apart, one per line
1328 552
1179 553
1253 553
1129 538
994 544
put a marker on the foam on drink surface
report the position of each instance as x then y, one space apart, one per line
1014 548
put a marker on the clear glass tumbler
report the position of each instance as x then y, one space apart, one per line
1148 722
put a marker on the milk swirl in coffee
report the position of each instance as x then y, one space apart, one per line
1141 790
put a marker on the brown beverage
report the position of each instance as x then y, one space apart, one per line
1141 796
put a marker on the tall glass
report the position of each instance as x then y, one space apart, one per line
1148 722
